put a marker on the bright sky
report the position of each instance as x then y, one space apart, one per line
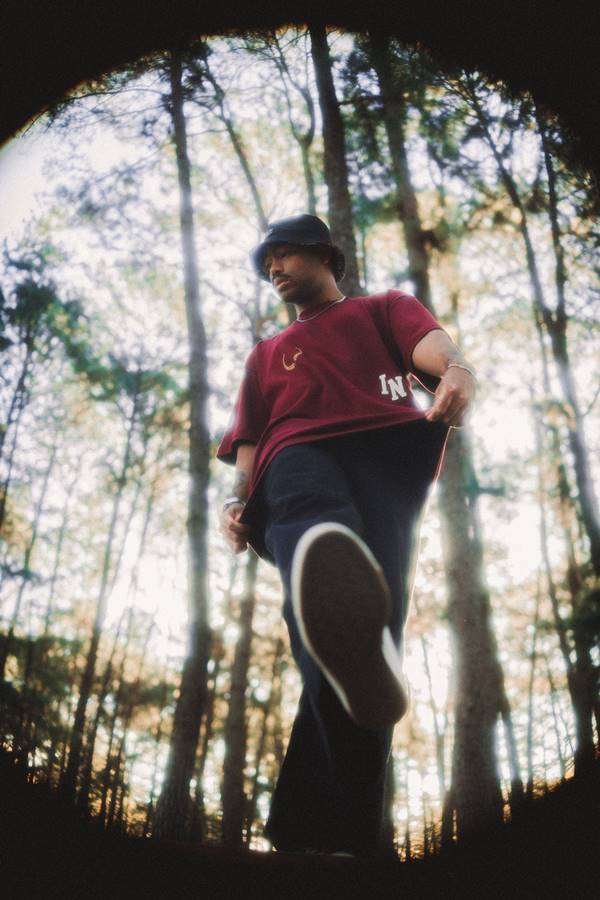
21 178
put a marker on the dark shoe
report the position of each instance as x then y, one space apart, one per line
342 605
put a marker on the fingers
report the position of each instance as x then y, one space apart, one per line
448 410
452 399
235 532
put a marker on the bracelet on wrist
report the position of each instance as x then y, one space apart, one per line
453 365
232 501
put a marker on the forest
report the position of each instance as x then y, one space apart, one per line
146 674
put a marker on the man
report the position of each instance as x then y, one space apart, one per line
334 461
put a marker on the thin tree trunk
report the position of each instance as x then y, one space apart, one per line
233 795
26 560
556 327
475 786
16 401
157 742
127 710
197 832
406 199
69 785
269 707
479 679
202 67
336 168
559 751
23 399
83 796
304 138
530 686
116 785
439 733
125 532
580 674
57 556
174 806
117 711
516 781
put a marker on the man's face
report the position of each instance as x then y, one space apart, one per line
298 276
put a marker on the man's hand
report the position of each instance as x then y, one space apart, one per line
235 532
453 397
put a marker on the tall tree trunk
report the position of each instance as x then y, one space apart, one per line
516 781
174 806
162 702
439 733
270 704
69 785
56 566
394 112
579 671
336 168
533 654
555 325
555 719
83 796
17 406
198 818
26 561
201 66
304 138
479 679
127 710
116 785
233 794
18 401
475 786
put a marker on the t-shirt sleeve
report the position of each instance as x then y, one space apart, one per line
409 322
250 415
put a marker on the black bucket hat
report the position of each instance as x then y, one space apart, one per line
303 230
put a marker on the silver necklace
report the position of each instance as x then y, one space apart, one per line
321 311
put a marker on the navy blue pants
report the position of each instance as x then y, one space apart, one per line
330 791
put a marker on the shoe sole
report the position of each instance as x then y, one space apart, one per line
342 605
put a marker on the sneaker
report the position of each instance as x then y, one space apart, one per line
342 604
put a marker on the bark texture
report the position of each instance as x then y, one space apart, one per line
233 794
336 168
174 806
475 795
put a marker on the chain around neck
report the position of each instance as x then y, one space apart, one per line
321 311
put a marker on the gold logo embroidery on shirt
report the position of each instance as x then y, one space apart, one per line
291 366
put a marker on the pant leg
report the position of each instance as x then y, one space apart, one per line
330 791
303 486
390 472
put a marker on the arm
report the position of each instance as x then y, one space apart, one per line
437 355
235 532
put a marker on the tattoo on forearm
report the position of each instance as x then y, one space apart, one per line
241 482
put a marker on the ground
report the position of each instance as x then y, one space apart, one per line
552 850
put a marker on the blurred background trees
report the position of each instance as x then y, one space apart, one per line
145 671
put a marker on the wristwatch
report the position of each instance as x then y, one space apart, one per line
231 501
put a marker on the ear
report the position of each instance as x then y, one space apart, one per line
324 254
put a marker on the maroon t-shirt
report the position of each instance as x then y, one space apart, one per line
341 371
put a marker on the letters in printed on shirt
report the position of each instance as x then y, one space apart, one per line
389 387
393 387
